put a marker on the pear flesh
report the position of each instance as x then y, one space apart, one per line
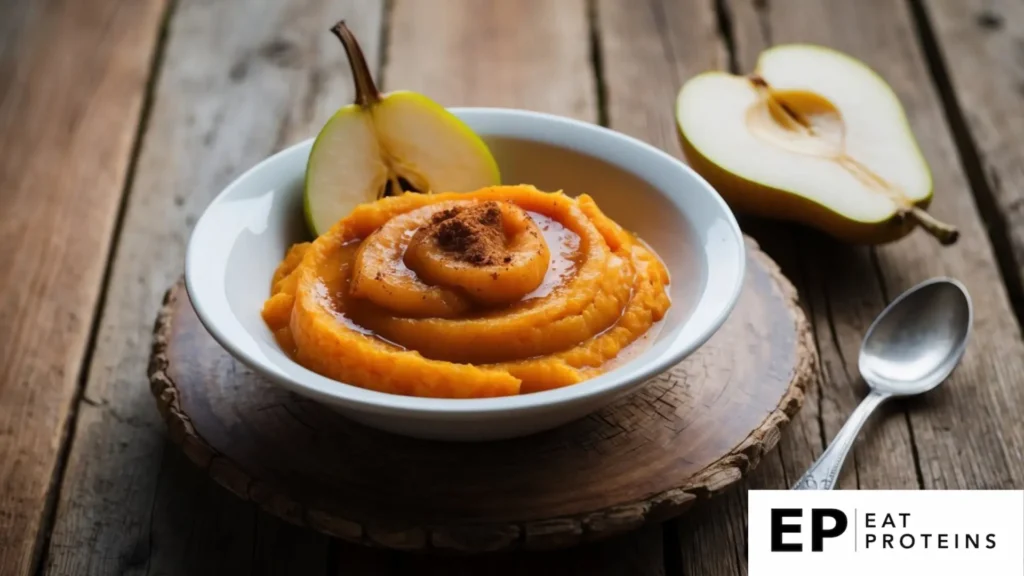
386 145
813 136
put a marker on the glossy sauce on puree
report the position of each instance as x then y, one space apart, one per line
502 291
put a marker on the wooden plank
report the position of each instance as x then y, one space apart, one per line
471 53
241 79
964 433
967 434
978 48
840 286
529 54
843 282
648 49
72 81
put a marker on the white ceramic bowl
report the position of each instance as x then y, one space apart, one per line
243 234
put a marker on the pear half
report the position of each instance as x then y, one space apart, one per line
386 145
812 136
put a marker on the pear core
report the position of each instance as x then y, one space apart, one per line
376 302
809 124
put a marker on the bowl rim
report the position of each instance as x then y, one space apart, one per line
620 379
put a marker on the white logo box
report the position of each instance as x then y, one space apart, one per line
938 533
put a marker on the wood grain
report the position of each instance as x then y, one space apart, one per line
979 53
954 427
843 287
948 435
72 82
240 80
531 54
690 433
648 49
951 433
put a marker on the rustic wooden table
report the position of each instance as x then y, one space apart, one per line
120 120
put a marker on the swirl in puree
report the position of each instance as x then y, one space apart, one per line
506 290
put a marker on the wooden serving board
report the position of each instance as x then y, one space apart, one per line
689 433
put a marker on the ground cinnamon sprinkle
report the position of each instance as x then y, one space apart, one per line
474 235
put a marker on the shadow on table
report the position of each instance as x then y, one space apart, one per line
198 527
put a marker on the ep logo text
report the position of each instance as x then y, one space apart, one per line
854 532
824 523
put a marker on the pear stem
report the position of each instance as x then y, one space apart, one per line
366 91
945 233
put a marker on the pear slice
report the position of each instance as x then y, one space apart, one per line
812 136
388 144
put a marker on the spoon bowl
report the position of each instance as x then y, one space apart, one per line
915 343
909 349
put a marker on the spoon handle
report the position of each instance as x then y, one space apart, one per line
824 473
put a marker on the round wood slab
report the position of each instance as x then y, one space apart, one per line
688 433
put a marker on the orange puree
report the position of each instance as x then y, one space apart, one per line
501 291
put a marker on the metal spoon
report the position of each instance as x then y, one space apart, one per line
909 349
